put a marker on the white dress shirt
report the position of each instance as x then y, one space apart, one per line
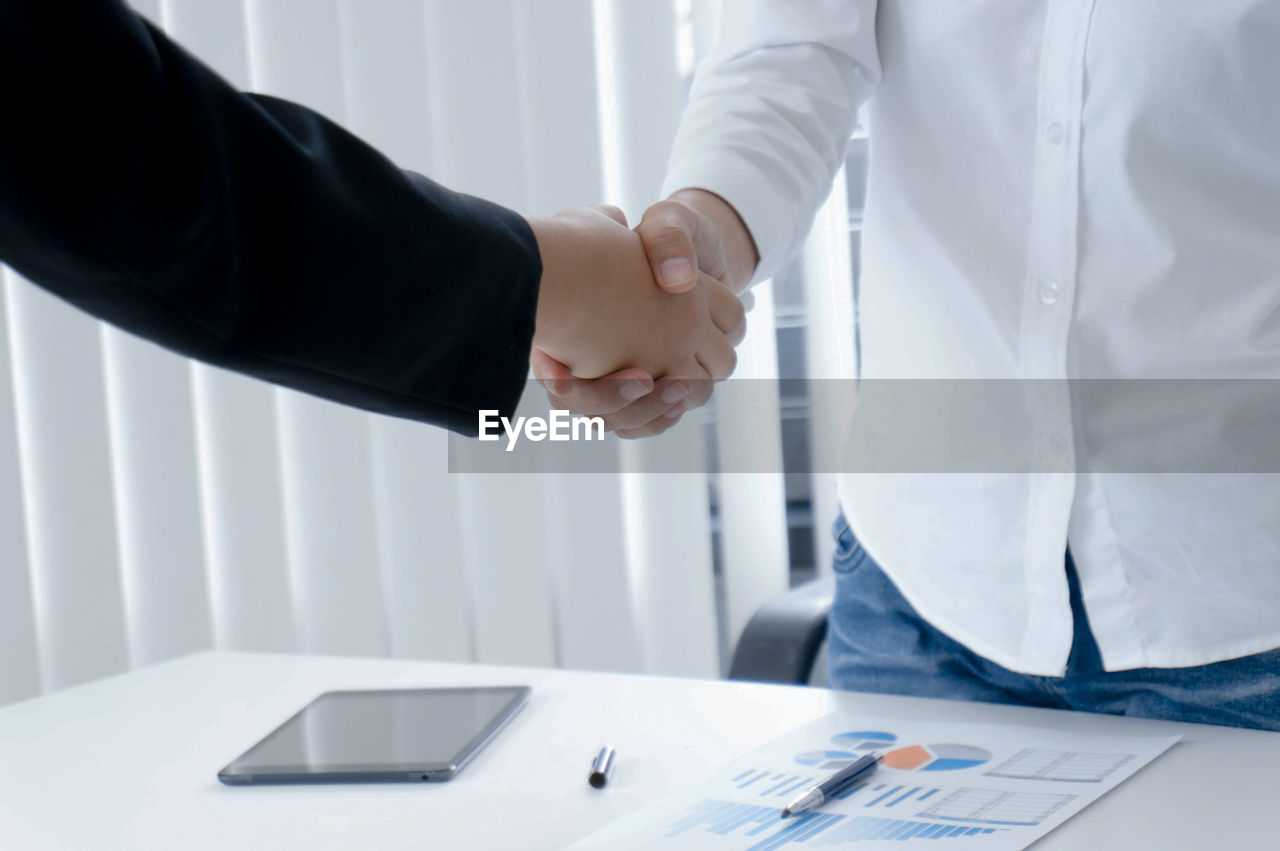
1058 189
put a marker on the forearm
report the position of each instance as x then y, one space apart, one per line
248 231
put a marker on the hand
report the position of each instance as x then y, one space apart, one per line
600 312
692 229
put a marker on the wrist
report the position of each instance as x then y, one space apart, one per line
551 319
740 248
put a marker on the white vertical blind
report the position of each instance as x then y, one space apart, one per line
325 453
153 459
237 451
753 527
154 472
668 525
594 608
67 489
828 279
481 151
425 590
753 508
19 671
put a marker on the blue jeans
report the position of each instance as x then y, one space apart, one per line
878 643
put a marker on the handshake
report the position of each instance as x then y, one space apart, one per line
634 326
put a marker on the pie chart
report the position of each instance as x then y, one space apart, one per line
865 740
946 757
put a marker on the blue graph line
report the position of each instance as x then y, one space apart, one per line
786 781
899 800
892 791
792 787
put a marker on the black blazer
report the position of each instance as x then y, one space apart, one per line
247 231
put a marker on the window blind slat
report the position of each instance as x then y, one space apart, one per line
753 520
594 610
426 592
481 135
235 422
558 86
296 53
243 501
668 515
475 87
19 655
157 498
828 280
215 32
67 487
427 596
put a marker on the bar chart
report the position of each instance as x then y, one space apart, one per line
887 795
764 825
770 784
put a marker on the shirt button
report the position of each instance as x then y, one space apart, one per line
1056 133
1050 293
1057 445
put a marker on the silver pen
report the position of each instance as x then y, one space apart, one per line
857 770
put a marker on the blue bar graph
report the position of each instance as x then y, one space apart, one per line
867 829
726 818
816 828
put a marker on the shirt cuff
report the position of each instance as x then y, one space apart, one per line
742 184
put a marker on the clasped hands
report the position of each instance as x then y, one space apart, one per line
635 326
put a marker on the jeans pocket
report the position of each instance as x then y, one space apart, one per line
849 552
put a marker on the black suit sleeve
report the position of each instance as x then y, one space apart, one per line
247 231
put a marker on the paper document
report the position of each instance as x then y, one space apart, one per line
940 785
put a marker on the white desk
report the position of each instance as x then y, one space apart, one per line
130 762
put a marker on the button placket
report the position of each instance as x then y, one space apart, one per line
1046 324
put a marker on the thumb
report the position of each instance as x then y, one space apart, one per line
676 238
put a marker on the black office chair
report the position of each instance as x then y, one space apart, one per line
784 640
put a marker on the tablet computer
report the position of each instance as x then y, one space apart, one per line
379 736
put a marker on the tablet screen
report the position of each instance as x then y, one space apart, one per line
379 733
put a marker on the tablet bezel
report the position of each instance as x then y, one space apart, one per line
415 772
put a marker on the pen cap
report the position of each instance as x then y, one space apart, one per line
602 767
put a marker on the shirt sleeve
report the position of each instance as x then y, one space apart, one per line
771 112
248 231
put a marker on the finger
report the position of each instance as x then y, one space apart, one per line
605 396
699 395
700 385
612 212
669 393
727 311
717 356
555 377
679 241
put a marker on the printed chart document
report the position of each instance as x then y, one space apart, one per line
940 785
